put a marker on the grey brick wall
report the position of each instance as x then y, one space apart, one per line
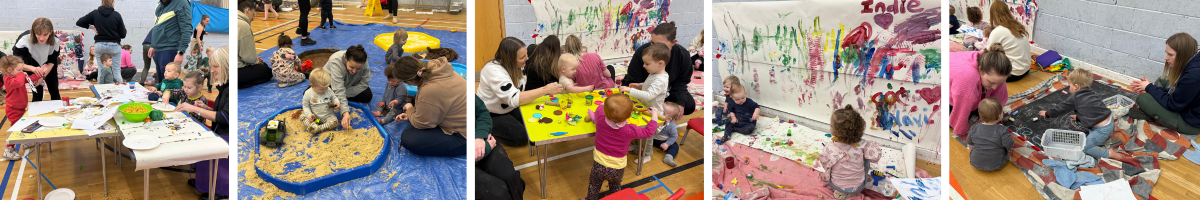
138 15
688 16
1125 36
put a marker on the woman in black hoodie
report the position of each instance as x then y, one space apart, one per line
110 29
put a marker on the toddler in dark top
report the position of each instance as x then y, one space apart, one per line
1092 116
742 111
989 142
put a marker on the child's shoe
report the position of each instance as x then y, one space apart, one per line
670 160
642 160
11 154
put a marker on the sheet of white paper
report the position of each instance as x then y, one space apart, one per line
103 129
919 188
94 122
48 123
1118 189
43 107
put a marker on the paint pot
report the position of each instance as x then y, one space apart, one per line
589 99
729 163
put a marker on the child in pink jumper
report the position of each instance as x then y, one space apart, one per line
613 134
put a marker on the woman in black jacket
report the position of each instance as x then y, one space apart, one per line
39 47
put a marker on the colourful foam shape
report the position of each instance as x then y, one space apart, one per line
416 43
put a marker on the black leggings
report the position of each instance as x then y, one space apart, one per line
252 75
433 142
363 97
326 11
683 98
51 83
495 177
392 7
146 63
1015 78
509 128
305 7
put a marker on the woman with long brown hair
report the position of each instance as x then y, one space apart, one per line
543 66
974 78
38 47
501 87
1167 103
1013 36
438 114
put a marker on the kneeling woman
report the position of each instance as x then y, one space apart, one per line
439 115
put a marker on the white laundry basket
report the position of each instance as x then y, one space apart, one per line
1063 144
1119 104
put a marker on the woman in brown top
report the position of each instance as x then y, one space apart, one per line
438 118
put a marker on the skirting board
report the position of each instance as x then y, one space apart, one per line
922 153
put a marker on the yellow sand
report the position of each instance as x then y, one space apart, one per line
318 158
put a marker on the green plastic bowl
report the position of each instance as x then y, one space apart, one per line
135 117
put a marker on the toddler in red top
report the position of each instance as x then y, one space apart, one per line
16 92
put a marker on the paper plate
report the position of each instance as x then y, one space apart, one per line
61 194
163 107
141 142
83 100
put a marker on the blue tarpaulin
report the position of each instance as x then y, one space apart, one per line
218 18
404 175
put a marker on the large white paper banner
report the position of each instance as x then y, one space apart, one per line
811 57
610 28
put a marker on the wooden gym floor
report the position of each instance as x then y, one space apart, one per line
567 177
1176 181
75 164
287 23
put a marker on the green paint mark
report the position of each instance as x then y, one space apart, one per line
849 55
889 86
933 59
781 16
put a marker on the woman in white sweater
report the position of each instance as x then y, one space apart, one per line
1008 32
500 87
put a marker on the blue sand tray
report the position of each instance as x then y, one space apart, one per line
347 35
404 175
338 176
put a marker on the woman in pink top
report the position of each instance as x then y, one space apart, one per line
974 76
591 70
128 69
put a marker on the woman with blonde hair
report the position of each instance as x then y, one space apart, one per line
219 116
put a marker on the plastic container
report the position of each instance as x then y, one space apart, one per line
1064 144
1119 105
135 117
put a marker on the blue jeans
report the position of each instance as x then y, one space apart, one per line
1095 138
161 59
113 73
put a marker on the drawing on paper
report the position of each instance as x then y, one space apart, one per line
881 57
608 28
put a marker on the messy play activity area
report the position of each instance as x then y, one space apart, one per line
567 143
1088 120
280 157
786 67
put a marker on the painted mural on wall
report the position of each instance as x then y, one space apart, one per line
811 57
610 28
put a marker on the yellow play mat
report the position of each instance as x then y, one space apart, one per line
417 42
